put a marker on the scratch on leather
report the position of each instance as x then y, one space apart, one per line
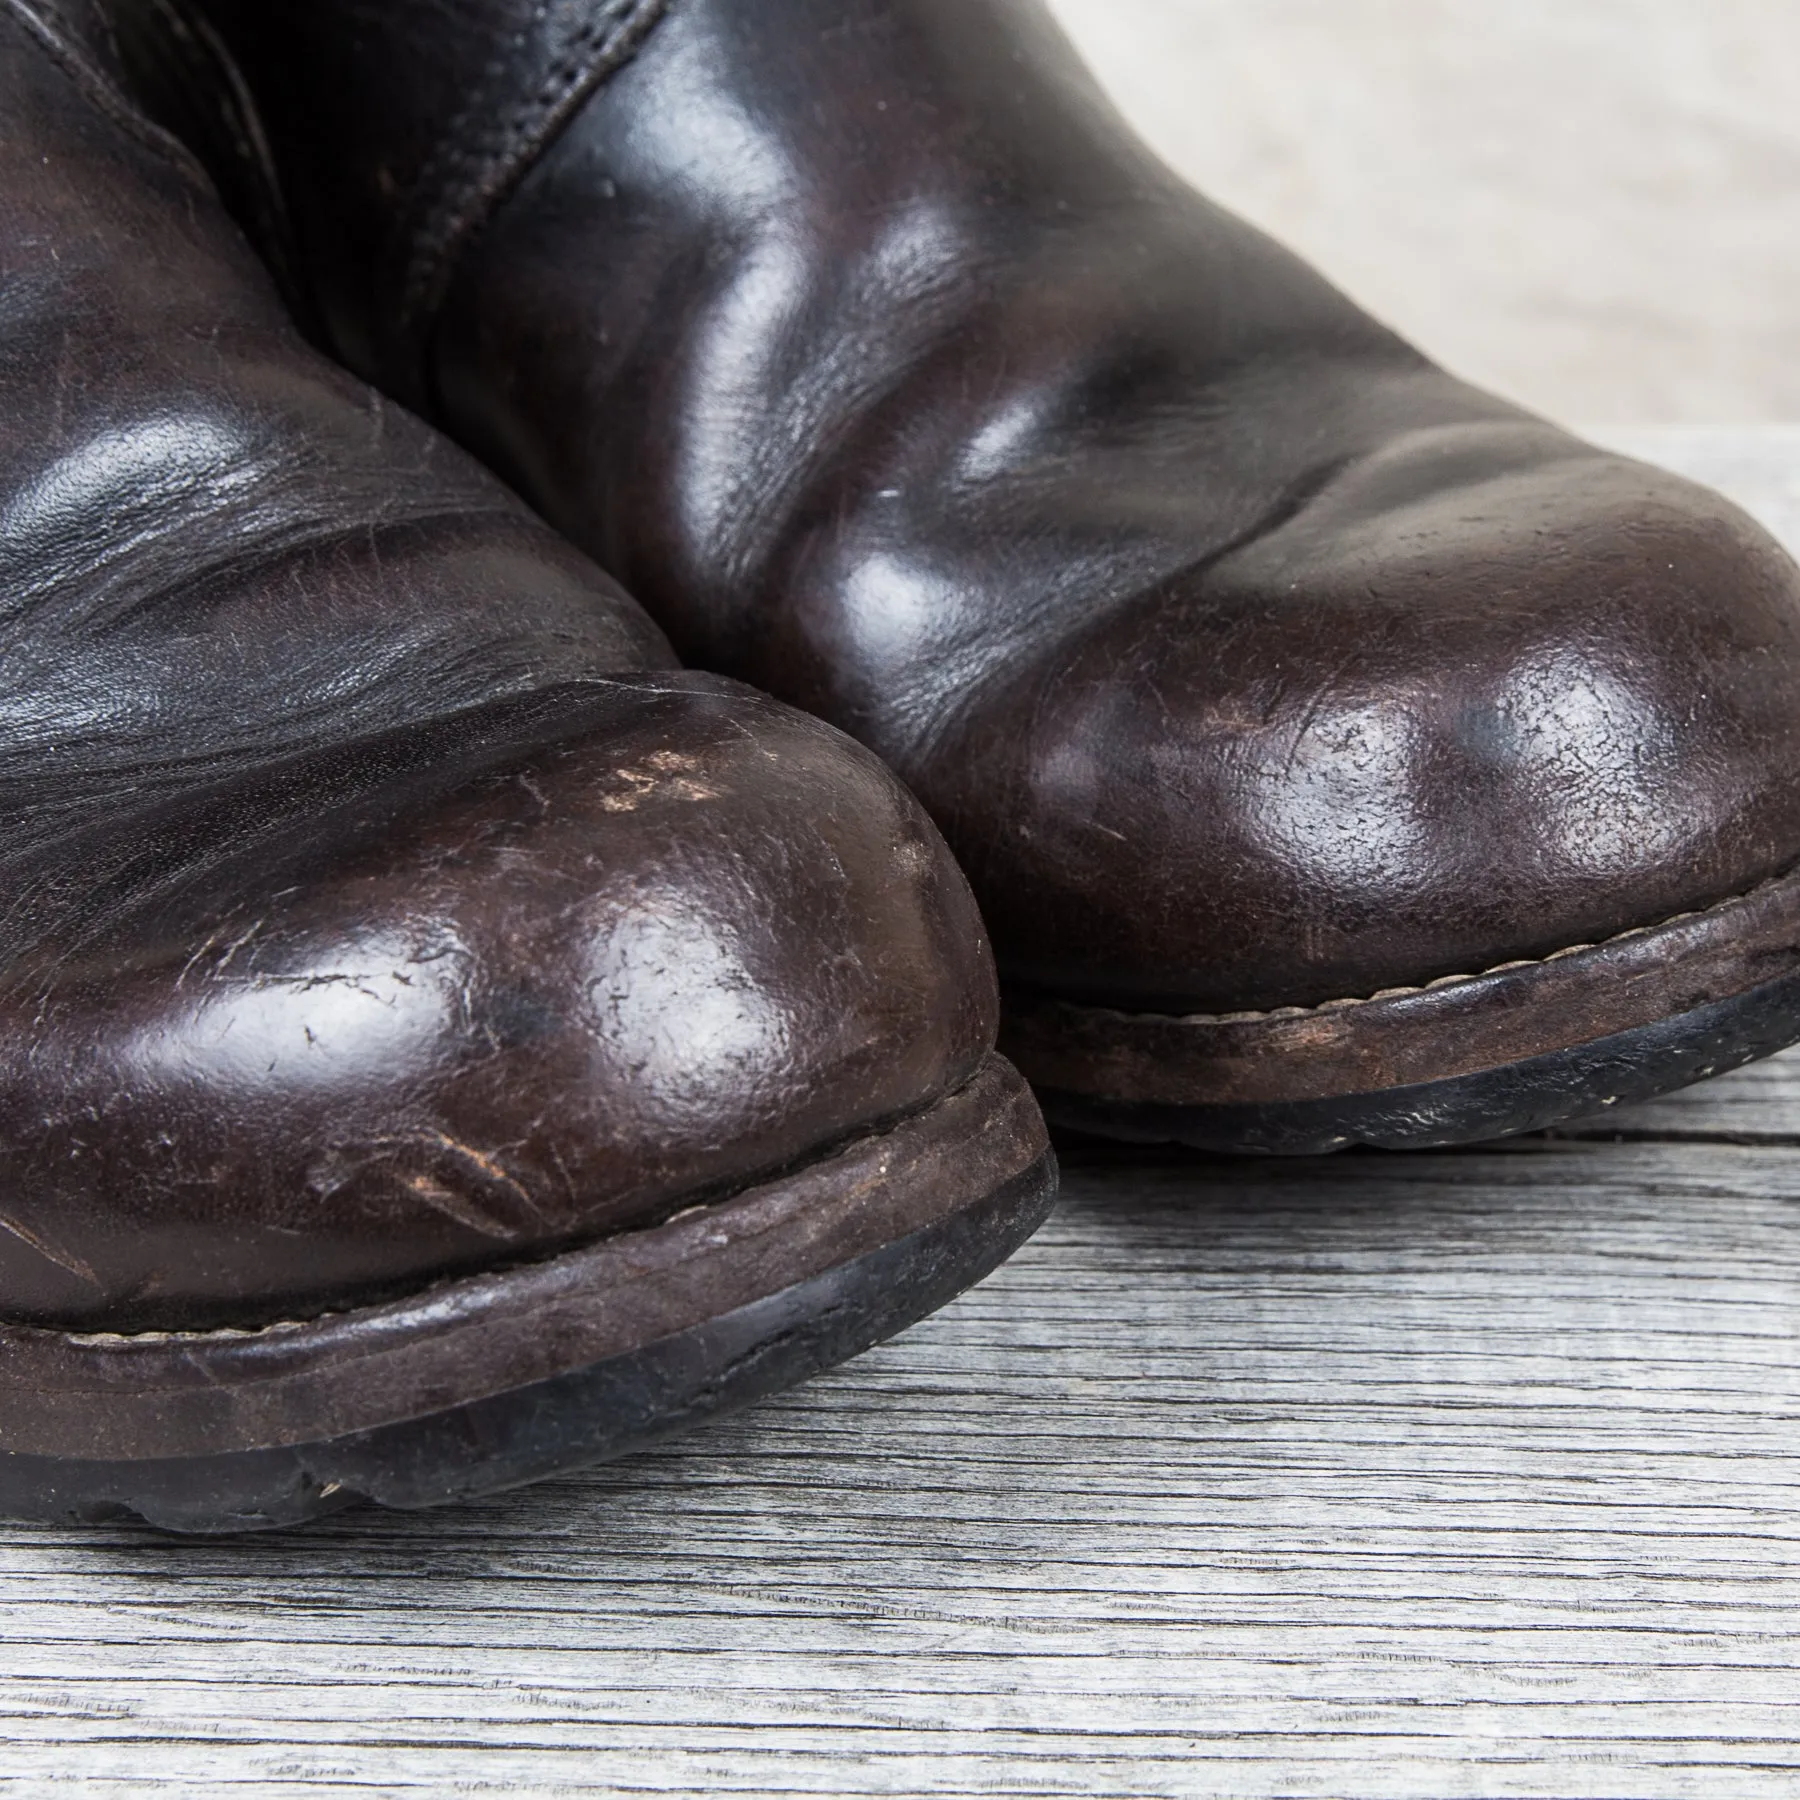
66 1260
439 1189
664 771
487 1166
460 1207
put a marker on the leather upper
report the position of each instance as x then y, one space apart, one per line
377 899
1246 658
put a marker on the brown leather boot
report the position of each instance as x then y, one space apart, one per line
440 1041
1339 754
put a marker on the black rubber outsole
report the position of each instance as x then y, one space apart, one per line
1532 1095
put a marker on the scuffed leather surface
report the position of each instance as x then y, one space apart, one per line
376 899
1245 658
503 1003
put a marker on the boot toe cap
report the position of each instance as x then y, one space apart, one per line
1488 695
692 939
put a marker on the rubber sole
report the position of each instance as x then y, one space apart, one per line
500 1379
1519 1048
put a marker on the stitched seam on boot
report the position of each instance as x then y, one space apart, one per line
481 158
104 93
1427 987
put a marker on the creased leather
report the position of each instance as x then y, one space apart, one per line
1246 658
377 899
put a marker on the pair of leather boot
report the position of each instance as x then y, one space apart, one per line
445 1037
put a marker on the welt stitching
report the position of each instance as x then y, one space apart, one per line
1428 987
104 93
476 166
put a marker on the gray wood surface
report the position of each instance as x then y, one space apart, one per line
1459 1474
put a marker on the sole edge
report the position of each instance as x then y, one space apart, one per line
602 1409
1531 1094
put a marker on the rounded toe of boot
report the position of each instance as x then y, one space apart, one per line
1461 801
609 1066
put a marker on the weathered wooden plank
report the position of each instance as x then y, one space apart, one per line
1474 1473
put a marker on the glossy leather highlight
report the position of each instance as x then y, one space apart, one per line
1246 658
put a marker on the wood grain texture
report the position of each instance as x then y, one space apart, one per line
1445 1475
